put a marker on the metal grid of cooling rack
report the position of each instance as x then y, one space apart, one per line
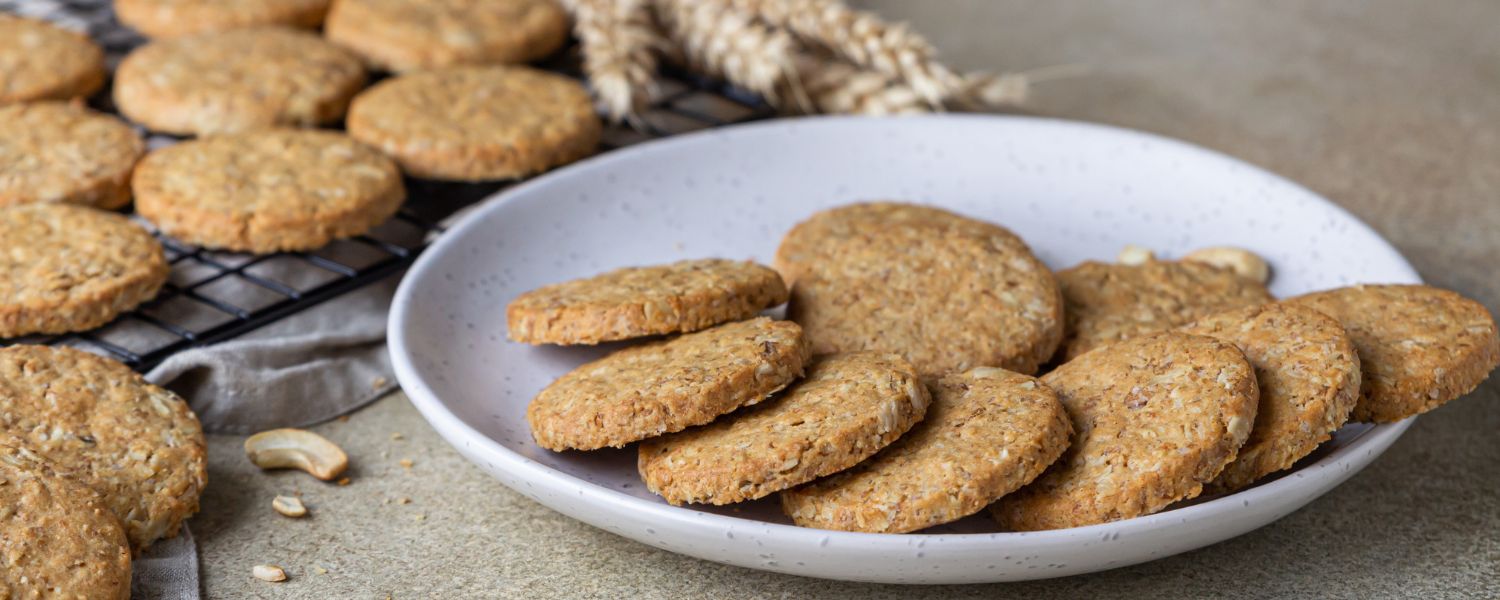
215 296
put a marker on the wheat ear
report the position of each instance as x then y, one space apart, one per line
837 87
620 45
727 43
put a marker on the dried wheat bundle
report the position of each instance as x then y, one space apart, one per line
723 42
837 87
620 45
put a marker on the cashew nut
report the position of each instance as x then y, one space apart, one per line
296 449
290 506
268 573
1133 255
1243 262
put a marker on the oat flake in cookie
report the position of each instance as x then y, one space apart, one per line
63 152
173 18
410 35
41 61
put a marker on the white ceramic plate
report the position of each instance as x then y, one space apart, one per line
1074 191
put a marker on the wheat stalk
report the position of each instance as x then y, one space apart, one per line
620 45
727 43
837 87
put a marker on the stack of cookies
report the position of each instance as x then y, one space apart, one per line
931 367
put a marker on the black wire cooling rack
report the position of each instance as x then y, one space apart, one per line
215 296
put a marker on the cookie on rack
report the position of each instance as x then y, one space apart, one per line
1154 419
41 61
1419 346
633 302
64 152
411 35
137 445
988 432
72 268
667 386
176 18
267 191
236 81
477 123
846 409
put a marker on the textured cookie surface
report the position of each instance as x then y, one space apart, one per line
947 292
1419 346
172 18
72 268
1154 419
477 123
62 152
138 445
407 35
1308 375
236 81
667 386
1107 303
57 538
268 190
847 408
638 301
41 61
988 432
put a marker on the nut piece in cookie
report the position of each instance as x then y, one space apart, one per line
847 408
1419 346
175 18
684 296
988 432
63 152
667 386
41 61
412 35
1154 419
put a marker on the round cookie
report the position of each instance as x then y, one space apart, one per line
138 445
41 61
1108 302
847 408
1419 346
477 123
236 81
267 191
666 386
175 18
63 152
988 432
1308 375
410 35
633 302
947 292
72 268
57 538
1154 419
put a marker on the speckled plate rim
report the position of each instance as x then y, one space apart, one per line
973 558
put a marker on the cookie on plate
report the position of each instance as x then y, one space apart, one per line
1308 375
410 35
847 408
988 432
667 386
477 123
683 296
236 81
63 152
57 538
1154 419
947 292
72 268
41 61
175 18
268 190
1419 346
138 445
1108 302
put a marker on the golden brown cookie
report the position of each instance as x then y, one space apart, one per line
477 123
138 445
988 432
1308 375
1154 419
72 268
57 538
948 292
667 386
1107 302
633 302
41 61
267 191
175 18
847 408
63 152
1419 346
411 35
236 81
